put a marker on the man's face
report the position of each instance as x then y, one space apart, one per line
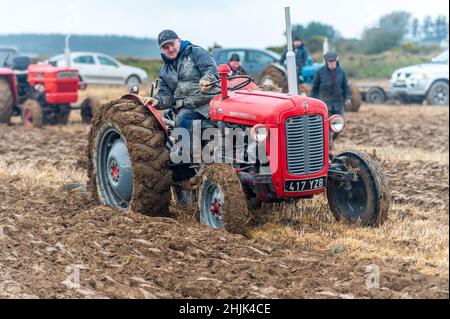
298 44
332 65
235 65
171 49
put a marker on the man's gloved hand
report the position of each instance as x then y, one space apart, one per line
146 100
205 84
348 103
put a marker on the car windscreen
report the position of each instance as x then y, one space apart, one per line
442 58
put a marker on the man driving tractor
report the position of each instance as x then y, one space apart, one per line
186 75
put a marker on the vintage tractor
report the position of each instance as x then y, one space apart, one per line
132 166
40 93
275 75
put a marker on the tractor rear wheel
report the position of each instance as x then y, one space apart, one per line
368 200
356 100
32 114
222 203
6 102
273 77
128 159
89 108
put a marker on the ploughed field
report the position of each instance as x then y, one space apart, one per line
48 233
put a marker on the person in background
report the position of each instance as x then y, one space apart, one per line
330 85
301 55
236 66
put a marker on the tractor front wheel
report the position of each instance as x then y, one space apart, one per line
128 160
222 203
89 108
366 199
32 114
64 114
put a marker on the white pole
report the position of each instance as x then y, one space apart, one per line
67 51
326 46
290 57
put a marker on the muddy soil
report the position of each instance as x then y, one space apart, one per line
49 235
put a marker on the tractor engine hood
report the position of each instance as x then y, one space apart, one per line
257 107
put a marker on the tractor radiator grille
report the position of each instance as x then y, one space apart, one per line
305 144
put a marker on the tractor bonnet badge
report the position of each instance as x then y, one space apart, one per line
305 105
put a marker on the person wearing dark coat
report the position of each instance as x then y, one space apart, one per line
330 85
236 66
301 55
186 75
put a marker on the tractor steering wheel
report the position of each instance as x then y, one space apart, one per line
236 87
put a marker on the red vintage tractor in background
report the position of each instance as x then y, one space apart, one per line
40 93
131 164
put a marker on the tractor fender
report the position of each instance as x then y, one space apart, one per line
279 67
158 117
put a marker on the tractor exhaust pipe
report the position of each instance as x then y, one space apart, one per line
67 51
290 57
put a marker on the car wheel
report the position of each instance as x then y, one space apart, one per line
438 94
133 80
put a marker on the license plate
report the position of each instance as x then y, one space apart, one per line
305 185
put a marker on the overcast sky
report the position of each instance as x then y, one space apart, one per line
253 23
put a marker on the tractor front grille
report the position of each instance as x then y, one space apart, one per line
305 144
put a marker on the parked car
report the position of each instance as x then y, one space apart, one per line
98 68
254 61
423 82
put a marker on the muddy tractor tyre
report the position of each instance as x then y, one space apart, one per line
128 160
273 77
369 200
6 102
89 108
356 100
32 114
222 203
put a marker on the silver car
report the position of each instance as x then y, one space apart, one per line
425 81
98 68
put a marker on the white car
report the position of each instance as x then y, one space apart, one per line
98 68
423 82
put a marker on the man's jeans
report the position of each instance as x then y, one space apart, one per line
185 120
186 117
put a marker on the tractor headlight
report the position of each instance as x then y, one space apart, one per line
40 88
337 124
259 133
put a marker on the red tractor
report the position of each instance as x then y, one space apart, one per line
131 159
41 93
